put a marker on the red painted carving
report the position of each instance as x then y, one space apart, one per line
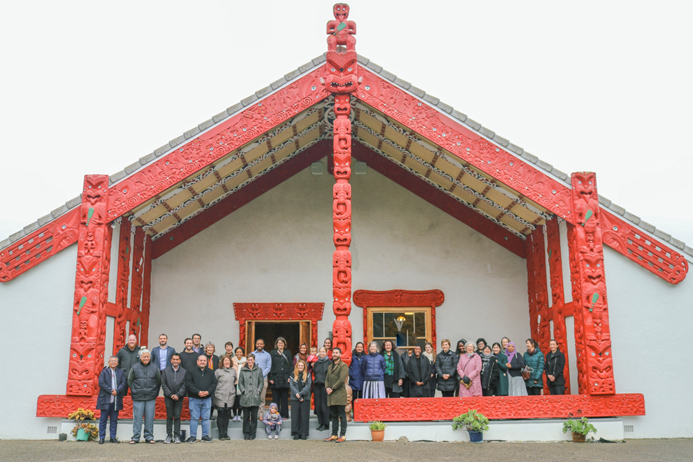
39 245
121 304
557 296
539 316
499 407
340 78
198 153
146 290
592 298
237 200
136 289
441 200
577 312
278 311
395 298
61 406
652 255
91 289
341 31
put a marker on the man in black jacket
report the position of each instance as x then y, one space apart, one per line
128 355
173 383
555 363
188 357
201 384
144 380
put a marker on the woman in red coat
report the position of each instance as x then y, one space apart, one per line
469 370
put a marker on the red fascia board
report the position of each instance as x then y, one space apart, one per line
240 198
439 199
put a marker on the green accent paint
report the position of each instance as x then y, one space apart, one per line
127 249
595 297
588 215
90 214
138 322
81 304
341 26
549 253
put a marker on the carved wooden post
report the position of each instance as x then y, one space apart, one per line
136 284
340 79
539 316
591 306
557 296
146 290
91 289
120 335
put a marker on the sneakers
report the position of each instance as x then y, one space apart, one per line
269 437
330 439
206 439
168 440
237 418
191 440
276 437
323 428
341 439
176 440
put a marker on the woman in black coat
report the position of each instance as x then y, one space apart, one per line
555 363
419 373
278 377
489 372
446 369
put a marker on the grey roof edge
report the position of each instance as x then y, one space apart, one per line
445 109
187 136
508 146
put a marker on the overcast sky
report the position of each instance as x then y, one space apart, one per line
91 86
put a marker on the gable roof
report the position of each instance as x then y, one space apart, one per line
292 120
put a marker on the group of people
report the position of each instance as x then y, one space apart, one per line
472 369
235 384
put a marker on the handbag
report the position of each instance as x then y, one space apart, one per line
466 384
526 372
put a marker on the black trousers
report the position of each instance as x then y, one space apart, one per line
321 409
448 394
281 397
338 417
488 391
300 417
250 421
224 415
534 391
557 389
236 409
391 394
173 409
356 394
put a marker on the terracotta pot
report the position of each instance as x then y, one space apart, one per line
378 435
578 438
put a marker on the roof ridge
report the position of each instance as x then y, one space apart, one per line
166 148
545 166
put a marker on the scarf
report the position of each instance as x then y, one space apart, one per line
302 357
429 356
357 354
389 363
510 355
485 361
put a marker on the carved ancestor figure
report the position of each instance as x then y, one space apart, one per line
341 31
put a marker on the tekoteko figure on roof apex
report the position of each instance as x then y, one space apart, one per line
341 31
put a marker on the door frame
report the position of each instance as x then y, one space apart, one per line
305 332
276 312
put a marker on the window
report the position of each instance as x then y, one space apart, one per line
406 326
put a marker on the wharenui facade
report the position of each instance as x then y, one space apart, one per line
343 201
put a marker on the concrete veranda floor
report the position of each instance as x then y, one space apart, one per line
362 451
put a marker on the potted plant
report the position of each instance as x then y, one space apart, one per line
377 430
83 431
476 424
580 428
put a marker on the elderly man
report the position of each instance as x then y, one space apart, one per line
201 385
110 401
144 380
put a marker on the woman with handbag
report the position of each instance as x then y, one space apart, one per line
515 364
469 370
534 360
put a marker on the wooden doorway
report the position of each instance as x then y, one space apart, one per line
295 333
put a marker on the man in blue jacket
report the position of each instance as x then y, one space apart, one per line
263 360
110 401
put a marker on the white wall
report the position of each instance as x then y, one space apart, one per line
279 247
36 324
650 322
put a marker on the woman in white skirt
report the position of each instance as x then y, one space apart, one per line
516 385
373 370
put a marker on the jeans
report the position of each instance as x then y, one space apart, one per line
140 408
105 414
173 410
269 430
199 409
250 422
338 416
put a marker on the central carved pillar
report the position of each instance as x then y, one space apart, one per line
340 79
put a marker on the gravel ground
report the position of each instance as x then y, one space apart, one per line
312 450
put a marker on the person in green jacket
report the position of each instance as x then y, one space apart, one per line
534 359
502 383
335 386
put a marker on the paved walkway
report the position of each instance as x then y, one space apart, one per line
307 451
